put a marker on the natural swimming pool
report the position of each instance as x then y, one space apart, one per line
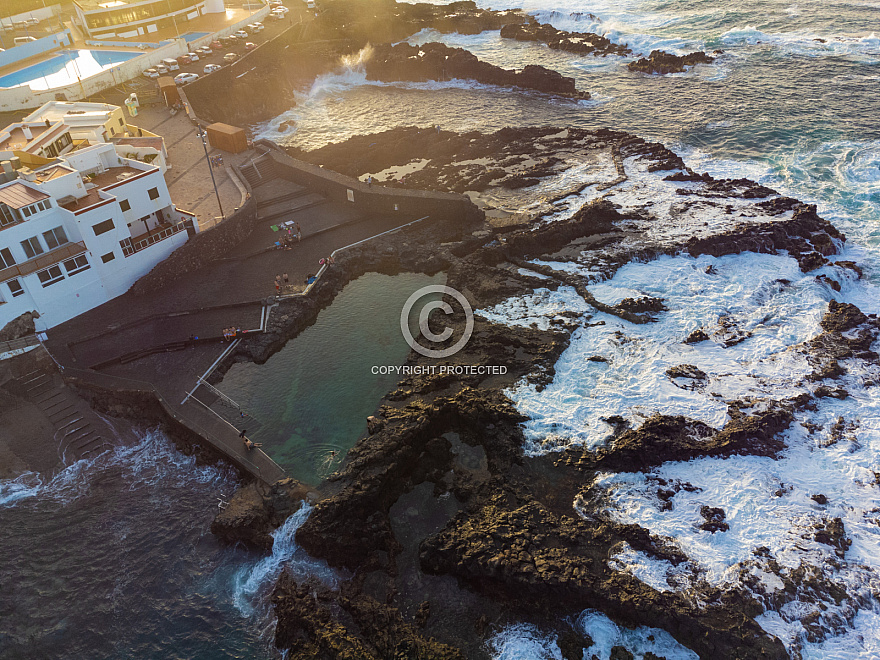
313 397
65 68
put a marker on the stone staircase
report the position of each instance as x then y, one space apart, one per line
259 171
79 431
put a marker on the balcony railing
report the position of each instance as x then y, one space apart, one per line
132 245
43 261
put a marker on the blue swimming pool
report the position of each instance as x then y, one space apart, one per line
193 36
65 68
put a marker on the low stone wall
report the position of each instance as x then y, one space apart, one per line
375 199
200 250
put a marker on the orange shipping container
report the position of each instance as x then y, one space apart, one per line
228 138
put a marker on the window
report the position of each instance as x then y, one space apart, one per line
121 122
124 205
77 265
15 288
50 276
107 258
6 258
103 227
55 237
8 215
27 210
32 247
153 193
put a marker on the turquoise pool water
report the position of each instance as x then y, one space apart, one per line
313 397
193 36
67 67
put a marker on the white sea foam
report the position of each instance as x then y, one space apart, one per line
150 460
252 584
606 635
865 49
523 641
538 309
764 295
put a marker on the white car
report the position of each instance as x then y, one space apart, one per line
241 34
162 69
185 78
257 27
280 10
193 56
211 68
151 73
204 51
230 57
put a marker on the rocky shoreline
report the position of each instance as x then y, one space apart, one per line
497 538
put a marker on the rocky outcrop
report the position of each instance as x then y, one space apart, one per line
539 559
436 61
661 63
317 623
254 512
21 326
581 43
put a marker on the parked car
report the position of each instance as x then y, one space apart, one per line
231 40
241 34
211 68
230 57
183 60
194 56
204 51
171 65
162 69
250 46
256 28
185 78
281 10
216 45
151 73
276 16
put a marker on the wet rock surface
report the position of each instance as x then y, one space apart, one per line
506 542
581 43
436 61
662 63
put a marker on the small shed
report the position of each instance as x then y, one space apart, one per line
168 90
228 138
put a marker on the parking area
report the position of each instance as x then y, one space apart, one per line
241 44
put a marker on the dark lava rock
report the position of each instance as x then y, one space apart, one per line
665 438
572 644
832 532
436 61
620 653
255 511
687 372
21 326
820 499
661 62
823 391
841 317
581 43
315 623
834 284
714 519
696 337
642 305
540 559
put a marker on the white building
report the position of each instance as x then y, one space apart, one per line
133 18
80 230
58 127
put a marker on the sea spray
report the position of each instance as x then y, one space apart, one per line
252 585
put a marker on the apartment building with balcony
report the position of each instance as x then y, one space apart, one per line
133 18
80 230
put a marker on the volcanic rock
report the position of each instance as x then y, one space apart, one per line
581 43
661 62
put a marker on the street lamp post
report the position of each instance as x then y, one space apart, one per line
203 135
